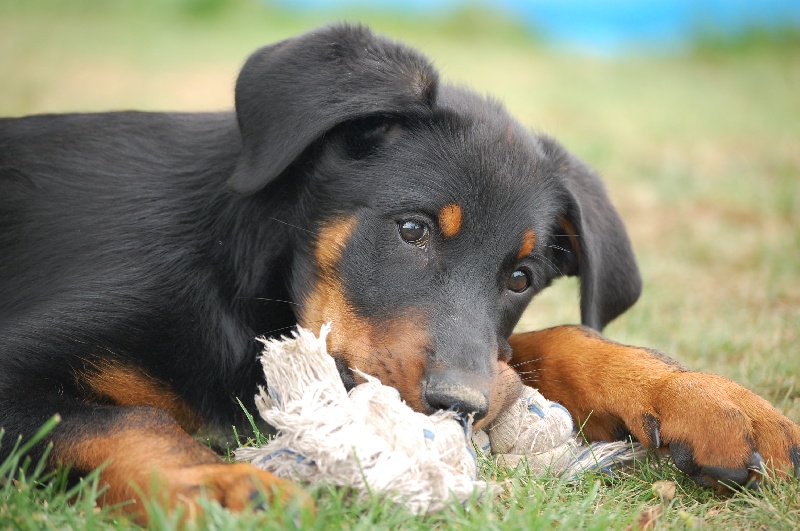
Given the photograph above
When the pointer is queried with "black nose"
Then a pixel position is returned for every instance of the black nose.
(460, 398)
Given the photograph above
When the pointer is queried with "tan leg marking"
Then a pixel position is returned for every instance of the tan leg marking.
(127, 385)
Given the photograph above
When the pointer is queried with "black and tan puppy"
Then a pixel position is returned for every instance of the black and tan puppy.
(141, 253)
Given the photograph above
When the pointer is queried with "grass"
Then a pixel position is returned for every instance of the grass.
(699, 150)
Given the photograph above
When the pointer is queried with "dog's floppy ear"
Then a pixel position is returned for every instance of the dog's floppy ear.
(592, 243)
(290, 93)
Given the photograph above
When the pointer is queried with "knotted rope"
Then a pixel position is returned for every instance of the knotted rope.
(370, 441)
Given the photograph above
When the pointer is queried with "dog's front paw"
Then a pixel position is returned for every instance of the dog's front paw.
(719, 433)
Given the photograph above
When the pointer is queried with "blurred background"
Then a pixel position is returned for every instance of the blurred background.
(689, 108)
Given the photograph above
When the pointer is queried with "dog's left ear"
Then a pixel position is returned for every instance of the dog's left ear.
(592, 242)
(290, 94)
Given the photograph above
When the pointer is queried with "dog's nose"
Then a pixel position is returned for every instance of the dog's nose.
(460, 398)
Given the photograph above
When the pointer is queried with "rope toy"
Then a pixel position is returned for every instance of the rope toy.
(370, 441)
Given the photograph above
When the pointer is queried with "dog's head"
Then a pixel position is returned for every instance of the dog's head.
(427, 217)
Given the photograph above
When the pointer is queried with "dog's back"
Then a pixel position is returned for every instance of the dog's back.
(105, 232)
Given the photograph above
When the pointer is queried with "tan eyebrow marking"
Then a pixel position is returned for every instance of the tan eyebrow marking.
(450, 218)
(528, 241)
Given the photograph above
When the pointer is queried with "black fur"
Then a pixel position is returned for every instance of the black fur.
(169, 241)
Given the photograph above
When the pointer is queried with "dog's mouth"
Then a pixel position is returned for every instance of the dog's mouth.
(345, 372)
(351, 377)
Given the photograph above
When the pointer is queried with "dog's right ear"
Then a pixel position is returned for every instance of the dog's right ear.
(592, 242)
(291, 93)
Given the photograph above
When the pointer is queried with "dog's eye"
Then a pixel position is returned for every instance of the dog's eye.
(519, 281)
(414, 232)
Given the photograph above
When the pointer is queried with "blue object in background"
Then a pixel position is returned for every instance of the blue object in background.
(611, 26)
(608, 26)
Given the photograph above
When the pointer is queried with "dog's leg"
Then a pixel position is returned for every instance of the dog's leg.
(145, 455)
(716, 430)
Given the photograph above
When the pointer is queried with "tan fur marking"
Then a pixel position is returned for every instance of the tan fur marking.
(147, 452)
(131, 386)
(606, 385)
(392, 351)
(327, 301)
(450, 217)
(333, 238)
(528, 241)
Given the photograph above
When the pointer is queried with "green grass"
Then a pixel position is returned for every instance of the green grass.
(31, 498)
(699, 150)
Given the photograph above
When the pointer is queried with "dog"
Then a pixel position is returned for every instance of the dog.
(141, 254)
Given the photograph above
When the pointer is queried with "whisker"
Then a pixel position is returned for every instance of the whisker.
(560, 248)
(515, 365)
(270, 300)
(269, 333)
(529, 372)
(293, 226)
(549, 357)
(532, 380)
(548, 262)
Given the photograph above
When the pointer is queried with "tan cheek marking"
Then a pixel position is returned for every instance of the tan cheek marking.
(392, 351)
(396, 354)
(333, 238)
(528, 241)
(450, 218)
(327, 301)
(130, 386)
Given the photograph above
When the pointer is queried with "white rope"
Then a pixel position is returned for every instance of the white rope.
(372, 442)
